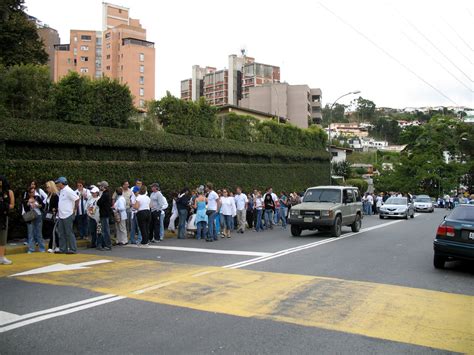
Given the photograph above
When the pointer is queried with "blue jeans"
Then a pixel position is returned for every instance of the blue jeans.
(228, 222)
(183, 216)
(201, 230)
(276, 216)
(104, 238)
(67, 239)
(282, 216)
(258, 225)
(268, 218)
(212, 229)
(134, 230)
(162, 225)
(35, 234)
(217, 231)
(82, 226)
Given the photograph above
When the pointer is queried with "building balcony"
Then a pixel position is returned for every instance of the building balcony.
(62, 47)
(137, 42)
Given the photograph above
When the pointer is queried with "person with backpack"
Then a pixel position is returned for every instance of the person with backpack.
(182, 203)
(7, 202)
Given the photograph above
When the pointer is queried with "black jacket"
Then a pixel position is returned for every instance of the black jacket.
(105, 205)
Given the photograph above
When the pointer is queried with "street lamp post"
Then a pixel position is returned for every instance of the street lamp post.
(329, 131)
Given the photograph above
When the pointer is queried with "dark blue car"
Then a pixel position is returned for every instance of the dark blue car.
(455, 236)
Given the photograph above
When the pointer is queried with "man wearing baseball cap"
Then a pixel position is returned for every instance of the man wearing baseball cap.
(68, 201)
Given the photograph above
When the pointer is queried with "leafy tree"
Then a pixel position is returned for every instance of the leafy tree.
(238, 127)
(386, 129)
(365, 109)
(111, 103)
(337, 114)
(19, 40)
(25, 91)
(73, 99)
(342, 168)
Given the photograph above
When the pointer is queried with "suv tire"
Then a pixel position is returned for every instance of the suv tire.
(295, 231)
(357, 224)
(439, 261)
(337, 226)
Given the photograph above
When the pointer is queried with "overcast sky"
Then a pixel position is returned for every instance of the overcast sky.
(398, 53)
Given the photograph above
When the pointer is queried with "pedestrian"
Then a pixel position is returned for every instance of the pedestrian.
(269, 206)
(121, 225)
(38, 191)
(158, 205)
(227, 210)
(34, 204)
(213, 205)
(250, 213)
(49, 217)
(378, 202)
(134, 230)
(127, 194)
(284, 203)
(7, 203)
(81, 213)
(174, 214)
(202, 219)
(142, 205)
(105, 212)
(259, 211)
(182, 203)
(67, 206)
(241, 204)
(93, 215)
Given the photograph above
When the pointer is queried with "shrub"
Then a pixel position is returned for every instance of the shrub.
(359, 183)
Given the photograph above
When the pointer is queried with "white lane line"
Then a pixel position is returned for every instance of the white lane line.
(156, 287)
(303, 247)
(58, 314)
(54, 309)
(202, 273)
(210, 251)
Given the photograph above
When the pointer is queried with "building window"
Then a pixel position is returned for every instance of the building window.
(142, 103)
(69, 61)
(107, 46)
(75, 38)
(142, 80)
(84, 48)
(107, 35)
(121, 67)
(142, 57)
(86, 38)
(84, 59)
(84, 70)
(142, 68)
(107, 67)
(108, 56)
(142, 91)
(75, 51)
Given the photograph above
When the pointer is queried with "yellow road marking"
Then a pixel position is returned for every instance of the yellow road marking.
(415, 316)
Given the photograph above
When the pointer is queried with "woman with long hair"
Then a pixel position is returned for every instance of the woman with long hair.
(142, 205)
(50, 210)
(227, 210)
(35, 227)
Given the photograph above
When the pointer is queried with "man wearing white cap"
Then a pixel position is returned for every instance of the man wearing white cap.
(68, 201)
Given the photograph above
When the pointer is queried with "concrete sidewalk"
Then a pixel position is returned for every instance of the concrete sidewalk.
(17, 247)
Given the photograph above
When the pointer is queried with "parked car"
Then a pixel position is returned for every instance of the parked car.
(423, 203)
(455, 236)
(397, 207)
(327, 208)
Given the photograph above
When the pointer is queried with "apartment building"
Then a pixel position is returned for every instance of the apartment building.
(120, 51)
(298, 104)
(50, 37)
(228, 86)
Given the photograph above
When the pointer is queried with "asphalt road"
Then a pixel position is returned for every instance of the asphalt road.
(265, 293)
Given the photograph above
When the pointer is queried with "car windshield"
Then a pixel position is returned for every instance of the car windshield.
(423, 199)
(396, 201)
(463, 213)
(322, 195)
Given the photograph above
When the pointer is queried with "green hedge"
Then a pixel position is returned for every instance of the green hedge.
(172, 176)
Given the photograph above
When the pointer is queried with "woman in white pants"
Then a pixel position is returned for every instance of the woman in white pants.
(121, 227)
(174, 215)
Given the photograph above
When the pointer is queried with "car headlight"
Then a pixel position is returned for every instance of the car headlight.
(327, 213)
(294, 212)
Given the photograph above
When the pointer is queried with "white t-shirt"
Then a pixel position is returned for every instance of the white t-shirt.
(67, 200)
(227, 206)
(258, 203)
(121, 207)
(144, 202)
(240, 201)
(212, 201)
(370, 199)
(85, 194)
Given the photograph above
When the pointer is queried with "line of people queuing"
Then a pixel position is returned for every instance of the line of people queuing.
(371, 202)
(137, 213)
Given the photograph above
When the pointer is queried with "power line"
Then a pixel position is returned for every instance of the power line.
(437, 62)
(386, 52)
(435, 46)
(457, 34)
(455, 47)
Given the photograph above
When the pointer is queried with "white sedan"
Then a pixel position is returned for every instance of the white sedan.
(423, 203)
(397, 207)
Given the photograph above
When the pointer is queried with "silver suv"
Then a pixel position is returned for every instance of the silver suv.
(327, 208)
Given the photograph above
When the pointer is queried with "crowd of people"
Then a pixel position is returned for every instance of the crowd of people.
(62, 213)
